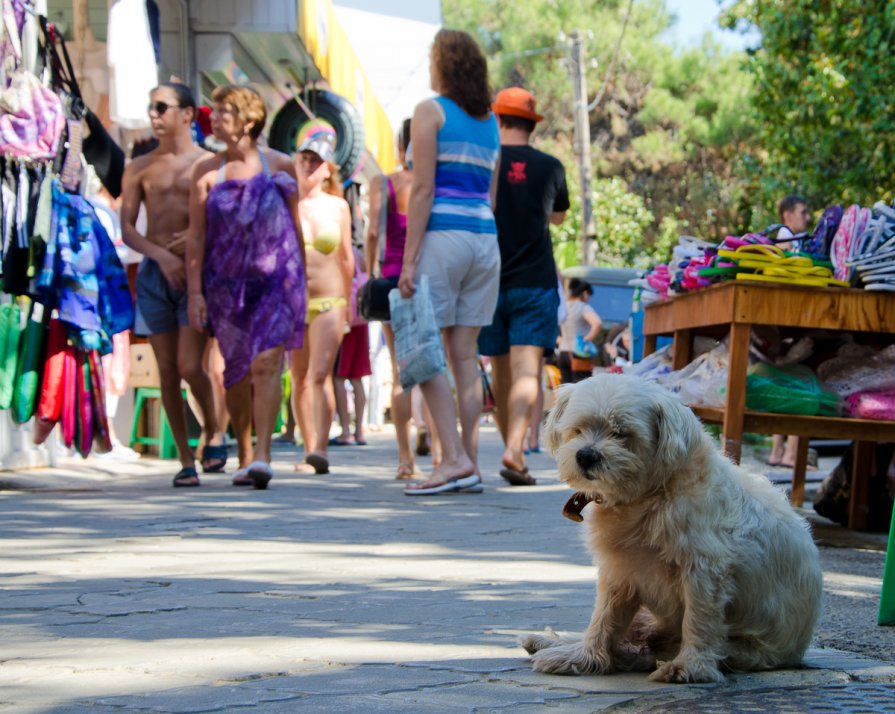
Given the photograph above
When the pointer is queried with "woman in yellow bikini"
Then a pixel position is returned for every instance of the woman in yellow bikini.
(326, 227)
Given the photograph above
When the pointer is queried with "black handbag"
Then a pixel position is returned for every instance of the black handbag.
(99, 148)
(372, 298)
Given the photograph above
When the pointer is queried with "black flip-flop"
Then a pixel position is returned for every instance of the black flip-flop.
(320, 463)
(517, 478)
(183, 478)
(217, 454)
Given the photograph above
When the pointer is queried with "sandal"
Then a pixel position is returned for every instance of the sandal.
(319, 462)
(422, 442)
(187, 477)
(468, 484)
(214, 458)
(260, 474)
(407, 472)
(514, 477)
(242, 478)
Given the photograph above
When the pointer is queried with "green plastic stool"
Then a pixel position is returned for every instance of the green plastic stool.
(167, 447)
(887, 596)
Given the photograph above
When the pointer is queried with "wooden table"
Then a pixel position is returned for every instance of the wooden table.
(735, 307)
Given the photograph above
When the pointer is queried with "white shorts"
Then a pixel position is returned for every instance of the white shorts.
(464, 276)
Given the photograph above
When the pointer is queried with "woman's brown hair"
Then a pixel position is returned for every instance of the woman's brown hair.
(462, 71)
(248, 104)
(333, 184)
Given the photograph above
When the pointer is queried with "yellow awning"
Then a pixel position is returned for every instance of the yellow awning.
(327, 43)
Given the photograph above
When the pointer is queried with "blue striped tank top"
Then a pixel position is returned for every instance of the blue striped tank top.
(468, 150)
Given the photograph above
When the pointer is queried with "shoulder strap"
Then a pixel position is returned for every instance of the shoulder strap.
(383, 217)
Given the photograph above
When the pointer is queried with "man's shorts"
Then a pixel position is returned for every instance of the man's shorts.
(160, 308)
(524, 316)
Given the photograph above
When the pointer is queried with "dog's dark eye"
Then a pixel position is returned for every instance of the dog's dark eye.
(574, 431)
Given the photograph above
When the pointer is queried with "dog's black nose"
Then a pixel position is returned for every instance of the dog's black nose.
(588, 457)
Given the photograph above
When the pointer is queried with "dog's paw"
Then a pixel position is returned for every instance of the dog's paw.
(569, 659)
(683, 671)
(536, 643)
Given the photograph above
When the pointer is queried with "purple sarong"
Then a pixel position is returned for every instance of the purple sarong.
(253, 276)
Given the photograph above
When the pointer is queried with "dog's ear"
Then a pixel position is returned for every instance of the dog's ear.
(678, 432)
(551, 432)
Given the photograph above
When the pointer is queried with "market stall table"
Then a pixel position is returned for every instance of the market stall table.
(735, 307)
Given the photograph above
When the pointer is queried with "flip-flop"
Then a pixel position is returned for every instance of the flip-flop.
(517, 478)
(320, 463)
(216, 453)
(260, 473)
(183, 478)
(242, 478)
(359, 442)
(335, 442)
(468, 484)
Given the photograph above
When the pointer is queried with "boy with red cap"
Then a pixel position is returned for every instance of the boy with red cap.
(531, 194)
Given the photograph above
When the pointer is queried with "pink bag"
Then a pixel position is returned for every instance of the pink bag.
(31, 118)
(69, 397)
(102, 440)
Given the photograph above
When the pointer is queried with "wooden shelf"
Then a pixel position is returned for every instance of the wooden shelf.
(736, 307)
(817, 426)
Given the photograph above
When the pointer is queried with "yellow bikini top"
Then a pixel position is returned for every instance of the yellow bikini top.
(327, 239)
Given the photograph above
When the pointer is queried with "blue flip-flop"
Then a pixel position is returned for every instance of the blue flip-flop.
(468, 484)
(217, 454)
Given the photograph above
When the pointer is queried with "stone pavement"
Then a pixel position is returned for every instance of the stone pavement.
(338, 593)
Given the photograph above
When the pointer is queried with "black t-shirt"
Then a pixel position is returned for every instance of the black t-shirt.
(531, 186)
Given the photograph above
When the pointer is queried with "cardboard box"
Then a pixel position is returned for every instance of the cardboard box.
(144, 369)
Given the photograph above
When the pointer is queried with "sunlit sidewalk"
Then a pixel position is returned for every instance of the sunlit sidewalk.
(323, 593)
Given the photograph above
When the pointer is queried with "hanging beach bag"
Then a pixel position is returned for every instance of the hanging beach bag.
(85, 406)
(69, 416)
(102, 438)
(30, 365)
(10, 330)
(49, 405)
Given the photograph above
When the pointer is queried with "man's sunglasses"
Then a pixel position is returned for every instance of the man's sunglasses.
(161, 107)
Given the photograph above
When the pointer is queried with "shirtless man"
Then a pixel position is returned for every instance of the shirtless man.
(161, 181)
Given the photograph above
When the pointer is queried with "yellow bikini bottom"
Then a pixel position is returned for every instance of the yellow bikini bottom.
(319, 305)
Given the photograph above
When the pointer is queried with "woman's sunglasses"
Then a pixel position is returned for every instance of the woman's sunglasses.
(161, 107)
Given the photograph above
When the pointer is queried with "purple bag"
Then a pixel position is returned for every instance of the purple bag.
(818, 245)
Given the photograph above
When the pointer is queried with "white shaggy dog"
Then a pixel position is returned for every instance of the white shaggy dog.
(702, 566)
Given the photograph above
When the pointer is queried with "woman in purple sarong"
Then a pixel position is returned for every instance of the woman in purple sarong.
(245, 270)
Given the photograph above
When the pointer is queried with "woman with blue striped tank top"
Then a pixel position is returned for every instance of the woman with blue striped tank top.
(452, 239)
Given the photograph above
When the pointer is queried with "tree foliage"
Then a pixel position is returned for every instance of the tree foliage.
(671, 134)
(822, 93)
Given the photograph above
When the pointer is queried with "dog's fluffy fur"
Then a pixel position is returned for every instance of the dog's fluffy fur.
(702, 566)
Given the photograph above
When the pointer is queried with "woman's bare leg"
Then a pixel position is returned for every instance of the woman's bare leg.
(401, 406)
(267, 369)
(462, 351)
(302, 400)
(325, 334)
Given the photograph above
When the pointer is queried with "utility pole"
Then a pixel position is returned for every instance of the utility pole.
(583, 143)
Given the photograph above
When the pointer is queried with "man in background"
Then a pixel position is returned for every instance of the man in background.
(531, 194)
(160, 180)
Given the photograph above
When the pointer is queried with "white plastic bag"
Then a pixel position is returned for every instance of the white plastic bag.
(419, 350)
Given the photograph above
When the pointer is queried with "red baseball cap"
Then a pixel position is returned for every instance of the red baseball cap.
(517, 102)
